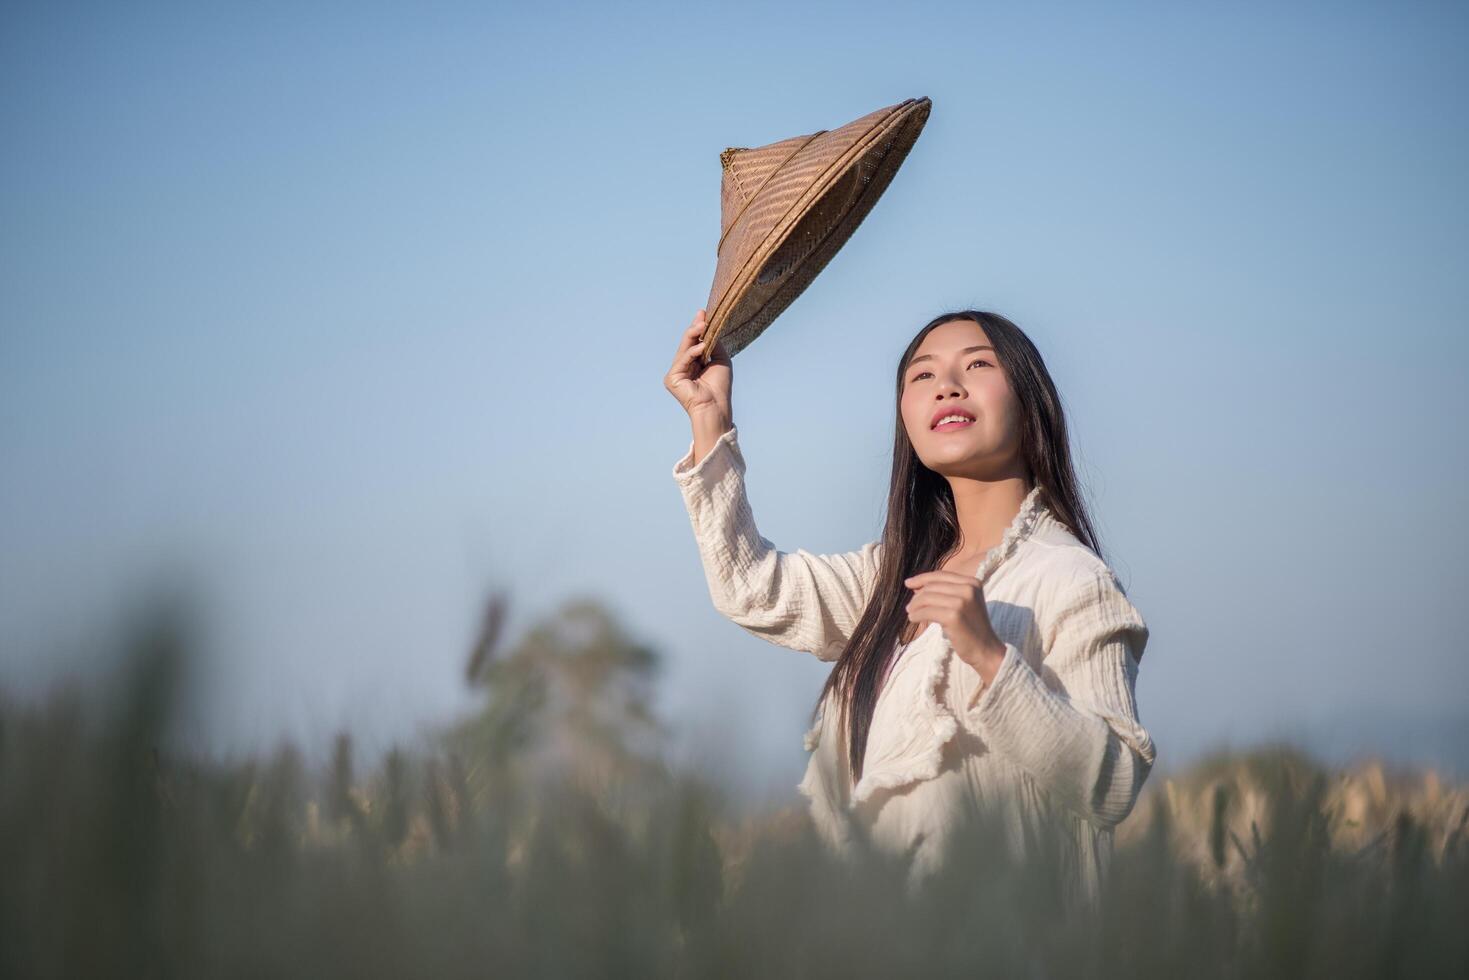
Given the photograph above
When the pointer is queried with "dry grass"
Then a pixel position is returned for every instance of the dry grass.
(544, 838)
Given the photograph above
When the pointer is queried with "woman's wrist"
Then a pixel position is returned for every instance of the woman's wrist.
(987, 660)
(708, 424)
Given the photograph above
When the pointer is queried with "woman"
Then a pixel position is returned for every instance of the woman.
(985, 656)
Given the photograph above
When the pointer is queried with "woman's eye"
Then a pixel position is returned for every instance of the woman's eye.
(921, 374)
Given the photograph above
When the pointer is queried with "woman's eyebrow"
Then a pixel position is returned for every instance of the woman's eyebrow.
(967, 350)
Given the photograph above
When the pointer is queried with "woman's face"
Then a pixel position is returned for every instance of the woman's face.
(955, 371)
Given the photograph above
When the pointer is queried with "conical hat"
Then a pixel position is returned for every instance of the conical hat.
(788, 206)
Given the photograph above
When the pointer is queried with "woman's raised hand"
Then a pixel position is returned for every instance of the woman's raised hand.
(702, 389)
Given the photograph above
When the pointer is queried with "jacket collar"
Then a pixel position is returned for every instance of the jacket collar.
(1032, 515)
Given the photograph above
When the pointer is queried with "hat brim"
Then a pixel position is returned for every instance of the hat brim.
(813, 230)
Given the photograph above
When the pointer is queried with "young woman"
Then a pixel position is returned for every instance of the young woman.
(985, 655)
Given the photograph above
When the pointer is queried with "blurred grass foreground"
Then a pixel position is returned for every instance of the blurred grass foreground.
(545, 836)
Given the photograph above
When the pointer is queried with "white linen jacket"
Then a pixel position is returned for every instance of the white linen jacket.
(1056, 734)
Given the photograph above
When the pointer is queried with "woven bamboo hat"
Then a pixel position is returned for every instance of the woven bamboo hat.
(788, 206)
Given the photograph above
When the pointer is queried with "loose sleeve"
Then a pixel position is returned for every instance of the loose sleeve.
(1076, 732)
(795, 599)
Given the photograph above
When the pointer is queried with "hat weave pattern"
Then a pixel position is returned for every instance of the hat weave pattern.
(786, 208)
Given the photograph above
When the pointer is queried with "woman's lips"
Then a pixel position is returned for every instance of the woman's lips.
(945, 426)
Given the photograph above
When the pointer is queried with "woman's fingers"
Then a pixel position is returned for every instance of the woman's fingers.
(937, 575)
(720, 355)
(692, 354)
(690, 347)
(961, 592)
(690, 336)
(691, 379)
(686, 357)
(696, 328)
(955, 583)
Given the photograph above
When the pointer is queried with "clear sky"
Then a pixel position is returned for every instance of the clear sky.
(349, 313)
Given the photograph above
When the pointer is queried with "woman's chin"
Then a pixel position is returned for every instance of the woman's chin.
(951, 459)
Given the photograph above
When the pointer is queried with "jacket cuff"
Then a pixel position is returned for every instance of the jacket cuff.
(982, 702)
(723, 456)
(1036, 727)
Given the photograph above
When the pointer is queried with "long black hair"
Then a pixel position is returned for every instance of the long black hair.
(922, 527)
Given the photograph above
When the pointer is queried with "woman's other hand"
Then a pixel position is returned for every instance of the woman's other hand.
(956, 602)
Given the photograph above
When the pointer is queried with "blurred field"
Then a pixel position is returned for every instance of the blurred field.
(544, 836)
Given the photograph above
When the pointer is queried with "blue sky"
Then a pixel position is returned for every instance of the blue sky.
(348, 314)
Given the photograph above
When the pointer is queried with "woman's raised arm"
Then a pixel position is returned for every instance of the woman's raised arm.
(795, 599)
(798, 600)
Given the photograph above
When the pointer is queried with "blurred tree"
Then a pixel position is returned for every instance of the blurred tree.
(569, 705)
